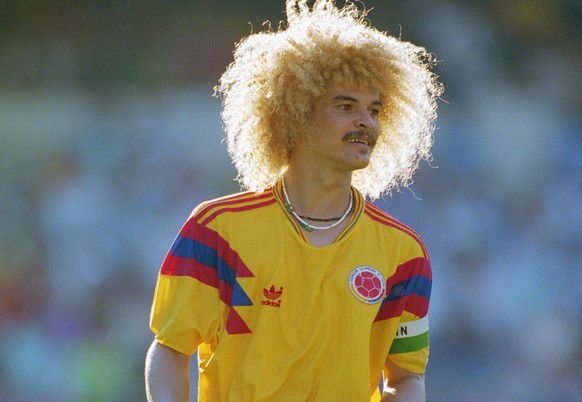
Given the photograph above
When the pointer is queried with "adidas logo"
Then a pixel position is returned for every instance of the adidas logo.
(272, 296)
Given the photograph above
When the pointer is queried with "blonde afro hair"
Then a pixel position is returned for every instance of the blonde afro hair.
(268, 93)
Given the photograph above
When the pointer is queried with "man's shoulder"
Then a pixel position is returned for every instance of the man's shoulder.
(240, 202)
(387, 221)
(384, 218)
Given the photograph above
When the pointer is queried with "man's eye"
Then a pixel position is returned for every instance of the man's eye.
(374, 112)
(344, 107)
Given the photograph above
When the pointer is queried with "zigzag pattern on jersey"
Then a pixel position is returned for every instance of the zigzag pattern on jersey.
(409, 289)
(201, 253)
(410, 286)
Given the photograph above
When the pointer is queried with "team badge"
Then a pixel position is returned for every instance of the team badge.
(367, 284)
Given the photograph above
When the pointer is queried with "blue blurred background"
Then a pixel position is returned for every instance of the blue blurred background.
(109, 136)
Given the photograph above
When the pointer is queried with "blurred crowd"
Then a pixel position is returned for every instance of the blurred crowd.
(109, 136)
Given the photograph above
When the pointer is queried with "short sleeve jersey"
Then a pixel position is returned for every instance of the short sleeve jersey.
(276, 318)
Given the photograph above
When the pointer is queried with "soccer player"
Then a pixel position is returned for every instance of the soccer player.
(299, 288)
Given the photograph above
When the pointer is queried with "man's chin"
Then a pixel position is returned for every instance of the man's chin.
(360, 164)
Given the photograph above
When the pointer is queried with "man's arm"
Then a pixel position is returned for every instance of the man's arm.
(167, 374)
(406, 386)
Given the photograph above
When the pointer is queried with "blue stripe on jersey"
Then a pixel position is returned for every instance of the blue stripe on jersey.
(189, 248)
(239, 297)
(419, 285)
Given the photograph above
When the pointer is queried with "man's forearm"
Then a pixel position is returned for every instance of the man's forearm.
(409, 389)
(167, 375)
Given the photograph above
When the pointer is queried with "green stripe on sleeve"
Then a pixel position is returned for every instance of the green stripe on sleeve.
(411, 344)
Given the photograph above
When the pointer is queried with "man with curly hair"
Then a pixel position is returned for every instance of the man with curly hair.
(299, 288)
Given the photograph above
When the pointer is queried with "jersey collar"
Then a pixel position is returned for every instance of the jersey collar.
(359, 203)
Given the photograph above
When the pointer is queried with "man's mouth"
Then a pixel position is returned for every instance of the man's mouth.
(363, 138)
(358, 141)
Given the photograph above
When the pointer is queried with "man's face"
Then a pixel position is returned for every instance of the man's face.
(344, 128)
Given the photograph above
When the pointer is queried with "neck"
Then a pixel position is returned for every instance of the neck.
(316, 195)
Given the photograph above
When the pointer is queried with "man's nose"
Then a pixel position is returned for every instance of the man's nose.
(364, 119)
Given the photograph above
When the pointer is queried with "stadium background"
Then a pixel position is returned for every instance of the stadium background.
(109, 136)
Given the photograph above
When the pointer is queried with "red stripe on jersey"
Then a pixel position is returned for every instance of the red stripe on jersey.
(240, 198)
(211, 238)
(237, 209)
(229, 199)
(417, 305)
(414, 303)
(179, 266)
(235, 324)
(416, 266)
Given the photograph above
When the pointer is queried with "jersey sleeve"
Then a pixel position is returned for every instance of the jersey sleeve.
(186, 309)
(410, 347)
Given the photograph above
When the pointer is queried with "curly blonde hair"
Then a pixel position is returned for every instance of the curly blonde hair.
(269, 89)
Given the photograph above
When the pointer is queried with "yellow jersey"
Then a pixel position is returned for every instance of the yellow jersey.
(275, 318)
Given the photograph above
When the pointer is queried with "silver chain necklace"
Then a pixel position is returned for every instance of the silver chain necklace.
(306, 225)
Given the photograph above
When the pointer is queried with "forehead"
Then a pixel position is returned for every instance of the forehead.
(340, 92)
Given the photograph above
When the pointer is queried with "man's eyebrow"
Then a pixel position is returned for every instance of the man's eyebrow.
(346, 98)
(352, 99)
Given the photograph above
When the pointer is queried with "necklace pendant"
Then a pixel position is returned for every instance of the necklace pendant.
(288, 207)
(305, 226)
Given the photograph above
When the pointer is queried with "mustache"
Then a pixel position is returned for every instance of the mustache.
(365, 135)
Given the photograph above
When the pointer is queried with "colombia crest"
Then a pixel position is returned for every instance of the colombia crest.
(367, 284)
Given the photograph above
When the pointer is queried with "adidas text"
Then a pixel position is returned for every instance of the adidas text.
(271, 303)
